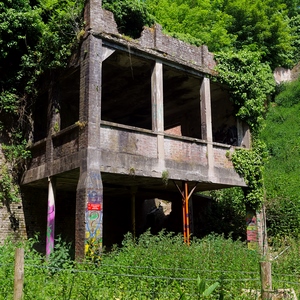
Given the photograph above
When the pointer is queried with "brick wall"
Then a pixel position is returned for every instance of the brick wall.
(12, 222)
(220, 158)
(124, 141)
(183, 151)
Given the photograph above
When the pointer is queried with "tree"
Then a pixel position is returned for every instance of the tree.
(130, 15)
(262, 26)
(198, 22)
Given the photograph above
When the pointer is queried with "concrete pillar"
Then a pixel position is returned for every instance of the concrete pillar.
(158, 106)
(53, 123)
(89, 195)
(206, 120)
(50, 235)
(53, 126)
(252, 232)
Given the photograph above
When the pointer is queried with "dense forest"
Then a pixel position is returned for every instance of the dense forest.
(249, 39)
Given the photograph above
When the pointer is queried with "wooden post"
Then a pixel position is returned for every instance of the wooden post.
(19, 274)
(266, 280)
(133, 212)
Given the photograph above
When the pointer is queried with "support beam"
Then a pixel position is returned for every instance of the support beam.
(53, 123)
(185, 208)
(252, 233)
(206, 121)
(133, 211)
(50, 216)
(89, 195)
(158, 106)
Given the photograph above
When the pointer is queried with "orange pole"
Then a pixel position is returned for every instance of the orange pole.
(187, 222)
(184, 218)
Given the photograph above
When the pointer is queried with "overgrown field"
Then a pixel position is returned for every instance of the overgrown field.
(155, 267)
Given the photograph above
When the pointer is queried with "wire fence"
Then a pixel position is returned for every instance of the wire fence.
(73, 280)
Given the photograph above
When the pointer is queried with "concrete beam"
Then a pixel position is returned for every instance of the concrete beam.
(206, 121)
(157, 99)
(89, 195)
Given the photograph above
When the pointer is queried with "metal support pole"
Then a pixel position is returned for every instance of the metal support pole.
(185, 208)
(184, 215)
(187, 220)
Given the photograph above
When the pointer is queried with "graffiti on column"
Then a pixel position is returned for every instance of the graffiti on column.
(93, 215)
(50, 219)
(251, 230)
(50, 228)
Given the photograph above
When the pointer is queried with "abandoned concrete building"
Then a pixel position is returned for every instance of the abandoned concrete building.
(127, 122)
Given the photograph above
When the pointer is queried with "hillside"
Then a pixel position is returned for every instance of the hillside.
(282, 172)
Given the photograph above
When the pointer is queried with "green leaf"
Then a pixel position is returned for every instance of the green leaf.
(210, 289)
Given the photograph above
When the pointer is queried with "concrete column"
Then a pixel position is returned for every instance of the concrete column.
(53, 123)
(252, 230)
(158, 106)
(50, 216)
(89, 196)
(206, 120)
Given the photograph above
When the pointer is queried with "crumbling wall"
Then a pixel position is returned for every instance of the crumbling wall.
(154, 38)
(101, 22)
(12, 222)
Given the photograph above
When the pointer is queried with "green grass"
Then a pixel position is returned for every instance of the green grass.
(155, 267)
(282, 172)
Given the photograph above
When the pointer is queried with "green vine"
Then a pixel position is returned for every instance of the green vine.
(14, 156)
(250, 82)
(37, 38)
(9, 191)
(249, 163)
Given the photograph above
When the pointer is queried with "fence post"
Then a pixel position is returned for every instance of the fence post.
(19, 274)
(266, 280)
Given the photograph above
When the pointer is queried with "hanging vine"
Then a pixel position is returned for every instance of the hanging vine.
(250, 82)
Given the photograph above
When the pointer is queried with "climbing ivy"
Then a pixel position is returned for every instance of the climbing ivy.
(249, 163)
(36, 38)
(250, 82)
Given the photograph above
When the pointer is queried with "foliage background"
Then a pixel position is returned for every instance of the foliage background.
(150, 268)
(249, 39)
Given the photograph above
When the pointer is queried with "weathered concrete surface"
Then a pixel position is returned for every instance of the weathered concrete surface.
(126, 150)
(127, 95)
